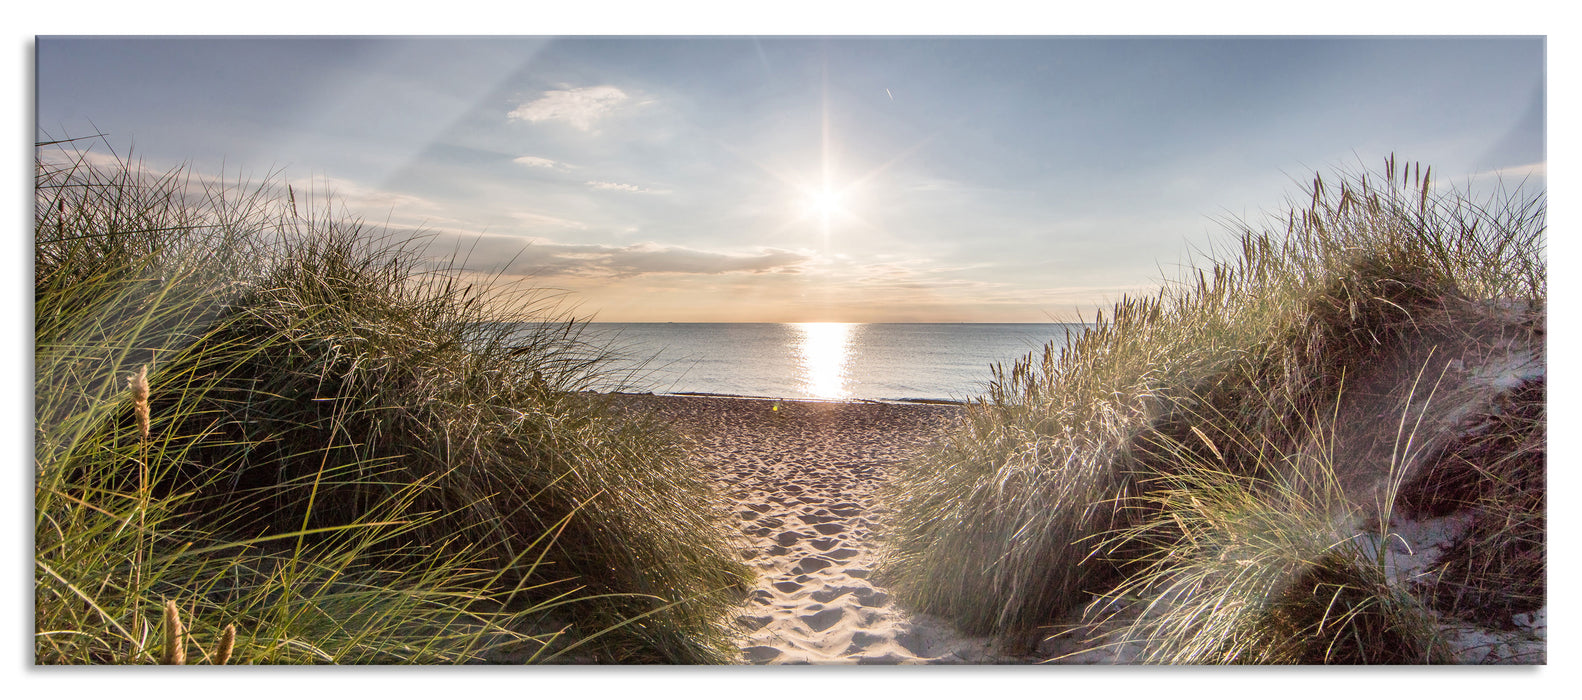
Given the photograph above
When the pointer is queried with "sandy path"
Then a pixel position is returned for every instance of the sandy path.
(804, 480)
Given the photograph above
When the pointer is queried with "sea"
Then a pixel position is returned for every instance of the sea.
(828, 361)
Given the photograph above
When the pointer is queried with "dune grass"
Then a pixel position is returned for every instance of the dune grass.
(288, 423)
(1195, 468)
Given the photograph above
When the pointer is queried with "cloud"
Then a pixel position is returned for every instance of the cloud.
(614, 186)
(623, 187)
(542, 257)
(1517, 173)
(648, 258)
(65, 156)
(358, 197)
(579, 107)
(537, 162)
(544, 220)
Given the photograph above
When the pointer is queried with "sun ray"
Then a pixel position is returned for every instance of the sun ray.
(829, 200)
(826, 159)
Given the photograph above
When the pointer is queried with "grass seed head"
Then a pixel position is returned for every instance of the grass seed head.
(138, 384)
(222, 653)
(175, 637)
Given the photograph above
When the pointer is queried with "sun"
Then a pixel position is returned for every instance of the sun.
(823, 208)
(822, 203)
(829, 210)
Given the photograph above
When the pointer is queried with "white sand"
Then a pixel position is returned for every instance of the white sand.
(804, 481)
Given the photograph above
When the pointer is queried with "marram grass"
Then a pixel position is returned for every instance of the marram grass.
(315, 445)
(1123, 468)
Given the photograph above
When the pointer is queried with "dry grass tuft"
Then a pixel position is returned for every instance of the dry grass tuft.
(1270, 404)
(348, 453)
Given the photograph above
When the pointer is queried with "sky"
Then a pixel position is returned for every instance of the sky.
(783, 179)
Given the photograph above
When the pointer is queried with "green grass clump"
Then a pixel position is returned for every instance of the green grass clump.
(1259, 412)
(282, 421)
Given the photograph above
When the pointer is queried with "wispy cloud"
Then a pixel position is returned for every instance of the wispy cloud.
(537, 220)
(1533, 177)
(317, 194)
(537, 162)
(358, 197)
(65, 157)
(579, 107)
(543, 257)
(623, 187)
(646, 258)
(1517, 173)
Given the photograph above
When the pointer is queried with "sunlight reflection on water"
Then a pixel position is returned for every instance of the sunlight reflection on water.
(825, 355)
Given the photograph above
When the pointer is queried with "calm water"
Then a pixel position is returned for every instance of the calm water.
(826, 360)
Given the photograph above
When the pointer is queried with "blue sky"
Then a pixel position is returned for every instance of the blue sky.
(809, 179)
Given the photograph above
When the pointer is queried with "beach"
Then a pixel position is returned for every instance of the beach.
(802, 478)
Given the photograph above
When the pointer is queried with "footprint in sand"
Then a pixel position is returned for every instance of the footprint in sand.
(823, 619)
(753, 622)
(863, 640)
(760, 654)
(829, 594)
(788, 538)
(811, 564)
(870, 598)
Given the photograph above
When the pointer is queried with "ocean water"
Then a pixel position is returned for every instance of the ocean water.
(839, 361)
